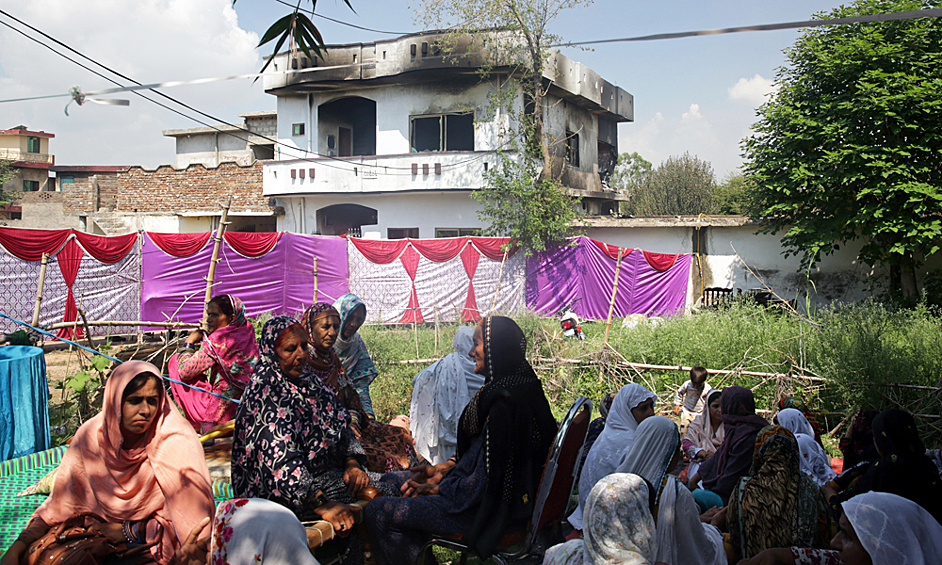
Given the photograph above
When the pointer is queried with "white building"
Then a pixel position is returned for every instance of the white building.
(388, 139)
(210, 146)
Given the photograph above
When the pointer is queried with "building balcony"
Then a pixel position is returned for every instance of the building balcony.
(17, 155)
(411, 172)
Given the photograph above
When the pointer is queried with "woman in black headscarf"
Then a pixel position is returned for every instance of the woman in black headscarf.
(489, 489)
(902, 468)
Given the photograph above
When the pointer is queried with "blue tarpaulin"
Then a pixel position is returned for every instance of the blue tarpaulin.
(24, 402)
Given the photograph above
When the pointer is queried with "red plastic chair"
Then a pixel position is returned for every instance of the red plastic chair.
(552, 498)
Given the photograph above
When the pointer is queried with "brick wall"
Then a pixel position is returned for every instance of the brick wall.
(172, 190)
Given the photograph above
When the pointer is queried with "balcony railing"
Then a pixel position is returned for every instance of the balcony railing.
(17, 155)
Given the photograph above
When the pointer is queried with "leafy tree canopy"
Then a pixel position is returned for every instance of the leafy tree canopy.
(732, 197)
(630, 170)
(679, 186)
(7, 172)
(850, 147)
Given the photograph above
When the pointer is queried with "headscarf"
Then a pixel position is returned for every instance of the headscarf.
(619, 529)
(703, 432)
(612, 443)
(798, 404)
(894, 530)
(681, 537)
(512, 413)
(814, 460)
(721, 472)
(255, 530)
(903, 467)
(777, 505)
(233, 346)
(323, 360)
(353, 353)
(439, 395)
(166, 478)
(858, 447)
(795, 422)
(285, 428)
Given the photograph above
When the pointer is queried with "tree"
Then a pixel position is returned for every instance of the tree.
(733, 196)
(513, 36)
(7, 172)
(849, 147)
(630, 170)
(679, 186)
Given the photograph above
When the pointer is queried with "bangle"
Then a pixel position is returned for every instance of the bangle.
(128, 531)
(189, 346)
(319, 500)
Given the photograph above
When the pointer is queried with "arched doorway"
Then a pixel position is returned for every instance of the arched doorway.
(347, 127)
(340, 219)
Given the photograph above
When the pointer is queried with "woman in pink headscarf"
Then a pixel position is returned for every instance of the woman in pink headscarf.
(139, 465)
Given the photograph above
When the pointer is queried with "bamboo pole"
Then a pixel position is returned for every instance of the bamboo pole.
(678, 368)
(611, 304)
(315, 278)
(500, 275)
(39, 288)
(121, 323)
(212, 264)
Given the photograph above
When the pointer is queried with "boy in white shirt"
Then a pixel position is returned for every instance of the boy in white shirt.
(691, 396)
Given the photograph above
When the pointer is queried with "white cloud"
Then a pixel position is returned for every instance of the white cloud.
(692, 114)
(752, 91)
(147, 40)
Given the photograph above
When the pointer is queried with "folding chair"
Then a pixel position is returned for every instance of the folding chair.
(552, 497)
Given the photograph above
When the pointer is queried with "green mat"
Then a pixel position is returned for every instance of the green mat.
(17, 474)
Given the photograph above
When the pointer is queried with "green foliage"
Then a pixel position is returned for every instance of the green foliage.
(732, 197)
(79, 395)
(679, 186)
(7, 172)
(849, 146)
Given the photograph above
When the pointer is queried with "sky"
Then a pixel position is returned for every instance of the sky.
(696, 95)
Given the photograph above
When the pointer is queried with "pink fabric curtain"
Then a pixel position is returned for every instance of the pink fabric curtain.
(70, 259)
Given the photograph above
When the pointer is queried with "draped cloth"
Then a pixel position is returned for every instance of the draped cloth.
(681, 537)
(439, 395)
(167, 478)
(233, 352)
(703, 434)
(248, 531)
(612, 443)
(894, 530)
(619, 529)
(814, 460)
(731, 462)
(512, 413)
(288, 431)
(353, 353)
(777, 505)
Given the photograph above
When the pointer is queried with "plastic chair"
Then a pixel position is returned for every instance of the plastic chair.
(552, 497)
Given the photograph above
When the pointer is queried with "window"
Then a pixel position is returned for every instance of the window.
(67, 179)
(32, 144)
(402, 233)
(457, 232)
(30, 185)
(297, 129)
(443, 132)
(572, 149)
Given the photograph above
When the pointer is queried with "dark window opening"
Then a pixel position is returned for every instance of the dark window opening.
(443, 132)
(572, 149)
(16, 215)
(457, 232)
(32, 144)
(347, 127)
(30, 185)
(402, 233)
(262, 152)
(341, 219)
(607, 160)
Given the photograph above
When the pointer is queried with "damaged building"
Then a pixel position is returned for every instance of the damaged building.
(389, 139)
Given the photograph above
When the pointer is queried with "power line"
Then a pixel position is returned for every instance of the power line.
(342, 22)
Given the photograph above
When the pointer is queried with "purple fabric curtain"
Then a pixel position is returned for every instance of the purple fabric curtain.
(560, 274)
(279, 282)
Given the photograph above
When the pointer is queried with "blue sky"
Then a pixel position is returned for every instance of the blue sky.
(694, 95)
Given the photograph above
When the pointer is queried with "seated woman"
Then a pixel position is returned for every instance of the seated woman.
(229, 350)
(814, 460)
(352, 351)
(705, 433)
(876, 528)
(139, 465)
(618, 526)
(681, 536)
(386, 448)
(903, 467)
(731, 462)
(439, 395)
(504, 438)
(777, 505)
(255, 531)
(631, 406)
(857, 444)
(292, 442)
(795, 403)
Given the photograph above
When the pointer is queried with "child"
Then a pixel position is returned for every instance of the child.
(691, 396)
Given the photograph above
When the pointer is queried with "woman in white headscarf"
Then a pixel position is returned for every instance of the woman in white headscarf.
(631, 406)
(876, 528)
(814, 460)
(439, 395)
(619, 528)
(681, 536)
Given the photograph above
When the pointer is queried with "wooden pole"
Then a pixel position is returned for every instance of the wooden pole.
(212, 264)
(611, 304)
(500, 275)
(39, 289)
(315, 278)
(121, 323)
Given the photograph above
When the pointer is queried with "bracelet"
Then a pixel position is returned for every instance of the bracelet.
(320, 500)
(128, 531)
(189, 346)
